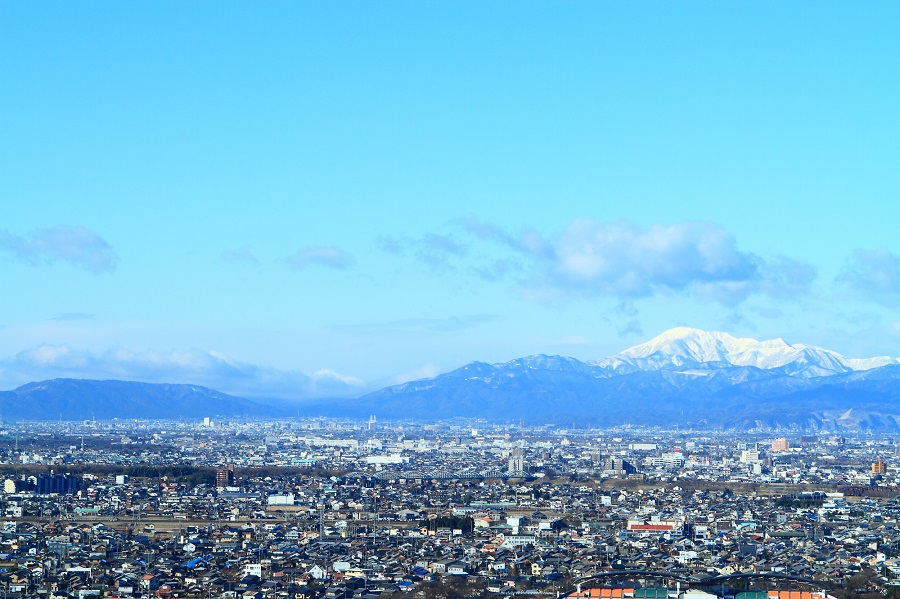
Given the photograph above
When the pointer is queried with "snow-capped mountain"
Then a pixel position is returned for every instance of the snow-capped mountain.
(684, 376)
(683, 348)
(870, 363)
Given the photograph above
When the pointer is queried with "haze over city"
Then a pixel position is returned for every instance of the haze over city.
(318, 199)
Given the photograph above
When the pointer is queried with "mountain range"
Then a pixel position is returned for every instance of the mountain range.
(684, 377)
(80, 399)
(682, 346)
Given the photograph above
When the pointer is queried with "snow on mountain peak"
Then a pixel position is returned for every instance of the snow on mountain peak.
(683, 346)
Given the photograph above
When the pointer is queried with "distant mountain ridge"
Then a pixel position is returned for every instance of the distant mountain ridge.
(83, 399)
(687, 377)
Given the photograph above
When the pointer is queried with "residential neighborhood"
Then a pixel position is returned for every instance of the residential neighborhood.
(340, 509)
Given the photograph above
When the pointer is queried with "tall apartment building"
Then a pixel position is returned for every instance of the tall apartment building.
(225, 476)
(516, 461)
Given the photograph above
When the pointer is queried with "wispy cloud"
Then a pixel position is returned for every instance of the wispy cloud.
(873, 275)
(73, 316)
(242, 255)
(327, 256)
(574, 340)
(628, 322)
(76, 245)
(209, 368)
(632, 328)
(769, 312)
(437, 251)
(449, 324)
(527, 241)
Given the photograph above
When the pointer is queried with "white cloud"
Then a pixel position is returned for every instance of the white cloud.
(76, 245)
(426, 371)
(55, 357)
(619, 260)
(591, 258)
(624, 261)
(327, 376)
(208, 368)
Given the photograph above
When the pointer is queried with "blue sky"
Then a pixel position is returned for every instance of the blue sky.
(305, 199)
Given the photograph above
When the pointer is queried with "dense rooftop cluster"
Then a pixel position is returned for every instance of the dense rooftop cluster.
(338, 509)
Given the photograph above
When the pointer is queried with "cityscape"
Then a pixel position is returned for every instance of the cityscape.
(319, 507)
(469, 299)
